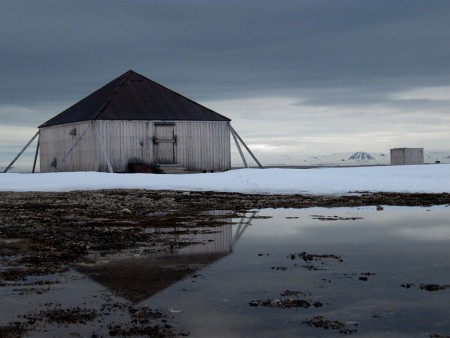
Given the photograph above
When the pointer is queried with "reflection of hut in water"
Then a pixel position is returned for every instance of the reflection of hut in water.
(206, 240)
(138, 278)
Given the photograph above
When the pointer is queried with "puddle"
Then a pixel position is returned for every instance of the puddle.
(274, 272)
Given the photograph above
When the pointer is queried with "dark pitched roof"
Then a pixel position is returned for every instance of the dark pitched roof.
(134, 97)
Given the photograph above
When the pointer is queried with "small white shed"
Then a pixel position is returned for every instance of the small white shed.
(407, 156)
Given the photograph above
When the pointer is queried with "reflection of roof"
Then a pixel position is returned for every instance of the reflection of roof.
(132, 96)
(138, 278)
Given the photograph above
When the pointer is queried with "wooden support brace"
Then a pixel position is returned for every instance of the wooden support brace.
(247, 148)
(21, 152)
(108, 162)
(233, 133)
(36, 154)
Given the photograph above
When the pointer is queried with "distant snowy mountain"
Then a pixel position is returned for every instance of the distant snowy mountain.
(361, 156)
(350, 159)
(357, 158)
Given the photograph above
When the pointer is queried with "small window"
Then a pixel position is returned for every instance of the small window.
(73, 132)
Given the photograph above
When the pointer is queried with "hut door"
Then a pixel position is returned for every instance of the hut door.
(164, 142)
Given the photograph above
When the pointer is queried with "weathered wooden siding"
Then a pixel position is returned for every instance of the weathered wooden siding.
(203, 145)
(199, 145)
(125, 142)
(407, 156)
(56, 141)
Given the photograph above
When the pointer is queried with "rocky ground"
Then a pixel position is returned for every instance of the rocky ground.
(44, 233)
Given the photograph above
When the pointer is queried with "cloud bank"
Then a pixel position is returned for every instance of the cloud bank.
(296, 76)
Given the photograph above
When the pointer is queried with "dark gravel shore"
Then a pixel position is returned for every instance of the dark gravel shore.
(56, 229)
(42, 233)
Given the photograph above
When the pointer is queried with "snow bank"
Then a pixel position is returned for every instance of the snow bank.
(419, 178)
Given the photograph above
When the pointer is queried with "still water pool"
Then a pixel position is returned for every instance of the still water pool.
(377, 287)
(279, 273)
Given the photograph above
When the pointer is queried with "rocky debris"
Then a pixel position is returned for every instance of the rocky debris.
(91, 203)
(365, 276)
(288, 293)
(433, 287)
(312, 267)
(155, 331)
(427, 287)
(295, 299)
(13, 330)
(144, 321)
(309, 258)
(75, 315)
(313, 257)
(407, 285)
(126, 211)
(334, 218)
(343, 327)
(285, 303)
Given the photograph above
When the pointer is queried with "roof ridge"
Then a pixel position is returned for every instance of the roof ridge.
(126, 76)
(180, 95)
(132, 96)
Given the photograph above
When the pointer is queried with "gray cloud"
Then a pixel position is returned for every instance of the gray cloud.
(335, 54)
(248, 45)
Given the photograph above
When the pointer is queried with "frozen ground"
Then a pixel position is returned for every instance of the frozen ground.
(421, 178)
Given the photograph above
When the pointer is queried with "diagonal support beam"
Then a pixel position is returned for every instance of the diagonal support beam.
(74, 146)
(37, 152)
(245, 146)
(233, 133)
(21, 152)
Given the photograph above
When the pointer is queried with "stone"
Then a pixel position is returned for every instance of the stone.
(126, 211)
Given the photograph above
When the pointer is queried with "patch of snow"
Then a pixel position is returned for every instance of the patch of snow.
(433, 178)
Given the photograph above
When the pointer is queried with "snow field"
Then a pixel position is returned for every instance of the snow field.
(317, 181)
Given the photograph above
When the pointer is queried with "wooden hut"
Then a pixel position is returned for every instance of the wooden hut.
(134, 120)
(407, 156)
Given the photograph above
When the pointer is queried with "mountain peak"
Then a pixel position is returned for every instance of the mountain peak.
(361, 156)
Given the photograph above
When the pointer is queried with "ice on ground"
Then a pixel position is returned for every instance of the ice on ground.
(418, 178)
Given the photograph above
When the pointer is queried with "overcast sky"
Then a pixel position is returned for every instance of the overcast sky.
(297, 77)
